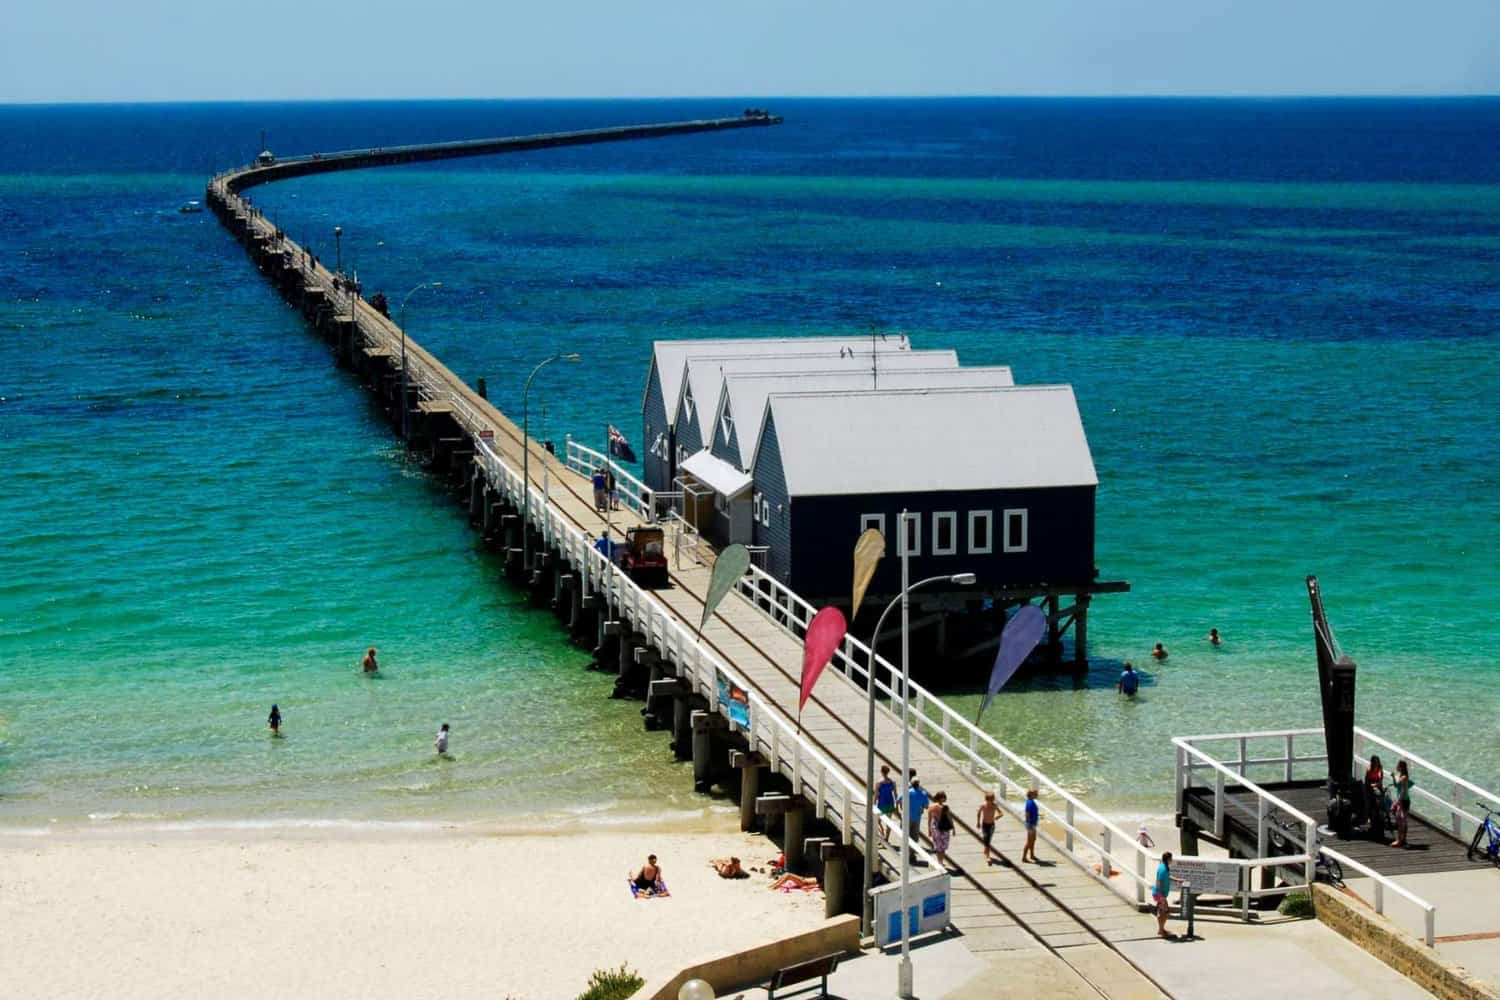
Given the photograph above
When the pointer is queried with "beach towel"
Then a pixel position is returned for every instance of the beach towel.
(658, 891)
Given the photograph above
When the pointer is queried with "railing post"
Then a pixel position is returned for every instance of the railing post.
(1105, 868)
(1430, 928)
(1289, 748)
(1068, 833)
(1243, 741)
(1379, 896)
(1140, 875)
(1218, 803)
(1260, 826)
(1458, 821)
(1182, 778)
(1247, 880)
(1310, 848)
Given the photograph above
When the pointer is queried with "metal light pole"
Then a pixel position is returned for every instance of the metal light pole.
(867, 912)
(904, 974)
(401, 322)
(526, 458)
(338, 247)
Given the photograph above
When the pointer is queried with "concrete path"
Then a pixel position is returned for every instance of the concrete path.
(1468, 916)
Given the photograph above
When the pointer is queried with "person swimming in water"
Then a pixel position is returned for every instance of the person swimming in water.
(1129, 682)
(442, 741)
(1213, 637)
(274, 721)
(369, 665)
(1159, 653)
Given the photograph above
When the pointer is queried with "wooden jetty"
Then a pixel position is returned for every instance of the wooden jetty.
(729, 698)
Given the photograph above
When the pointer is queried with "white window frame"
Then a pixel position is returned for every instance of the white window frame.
(988, 517)
(868, 521)
(688, 406)
(765, 512)
(1005, 517)
(949, 517)
(726, 425)
(911, 532)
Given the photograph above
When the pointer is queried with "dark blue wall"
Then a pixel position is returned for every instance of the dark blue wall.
(1060, 543)
(770, 483)
(657, 471)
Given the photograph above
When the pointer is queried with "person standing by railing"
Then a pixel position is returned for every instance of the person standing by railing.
(1160, 890)
(1402, 783)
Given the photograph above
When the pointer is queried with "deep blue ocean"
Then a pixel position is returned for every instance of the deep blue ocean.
(1280, 319)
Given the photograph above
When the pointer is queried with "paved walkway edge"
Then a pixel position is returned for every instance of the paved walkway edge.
(1396, 948)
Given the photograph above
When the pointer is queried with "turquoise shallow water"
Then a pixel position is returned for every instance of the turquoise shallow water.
(1285, 364)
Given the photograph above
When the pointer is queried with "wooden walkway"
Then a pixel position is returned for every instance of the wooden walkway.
(1057, 906)
(1431, 849)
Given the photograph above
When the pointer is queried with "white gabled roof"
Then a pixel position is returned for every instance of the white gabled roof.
(670, 355)
(746, 394)
(715, 473)
(923, 441)
(704, 377)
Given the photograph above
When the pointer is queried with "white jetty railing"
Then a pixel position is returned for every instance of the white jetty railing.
(583, 460)
(1088, 837)
(1453, 813)
(1273, 817)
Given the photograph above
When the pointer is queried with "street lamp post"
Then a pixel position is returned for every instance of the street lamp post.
(526, 458)
(338, 247)
(867, 912)
(401, 322)
(904, 974)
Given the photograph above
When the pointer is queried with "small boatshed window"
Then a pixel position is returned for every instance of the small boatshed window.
(1015, 531)
(868, 521)
(687, 402)
(911, 535)
(944, 533)
(980, 540)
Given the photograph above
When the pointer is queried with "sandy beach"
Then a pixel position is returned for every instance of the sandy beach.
(369, 915)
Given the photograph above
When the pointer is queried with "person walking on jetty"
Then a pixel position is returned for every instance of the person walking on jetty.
(1129, 682)
(989, 812)
(1033, 820)
(369, 665)
(885, 800)
(917, 801)
(611, 490)
(442, 740)
(601, 488)
(1160, 890)
(274, 721)
(1402, 785)
(940, 827)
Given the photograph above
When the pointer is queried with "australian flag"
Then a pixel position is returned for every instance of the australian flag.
(619, 446)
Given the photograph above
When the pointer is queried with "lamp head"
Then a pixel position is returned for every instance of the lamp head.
(435, 284)
(962, 579)
(570, 357)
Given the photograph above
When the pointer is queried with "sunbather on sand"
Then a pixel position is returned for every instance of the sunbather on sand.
(728, 867)
(788, 880)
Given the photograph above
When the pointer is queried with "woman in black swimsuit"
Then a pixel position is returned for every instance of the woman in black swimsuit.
(274, 721)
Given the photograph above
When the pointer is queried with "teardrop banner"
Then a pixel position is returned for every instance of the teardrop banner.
(1020, 637)
(728, 569)
(867, 555)
(824, 633)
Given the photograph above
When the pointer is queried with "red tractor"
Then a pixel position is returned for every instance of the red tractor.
(645, 557)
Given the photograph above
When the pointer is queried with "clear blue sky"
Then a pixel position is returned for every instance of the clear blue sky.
(156, 50)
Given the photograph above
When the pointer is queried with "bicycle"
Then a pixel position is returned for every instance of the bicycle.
(1489, 830)
(1285, 834)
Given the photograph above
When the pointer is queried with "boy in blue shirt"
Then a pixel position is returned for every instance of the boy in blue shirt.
(1033, 817)
(885, 800)
(1160, 890)
(917, 801)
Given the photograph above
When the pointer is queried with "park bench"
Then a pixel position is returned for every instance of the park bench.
(802, 972)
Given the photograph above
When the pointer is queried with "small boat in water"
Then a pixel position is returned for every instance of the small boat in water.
(189, 207)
